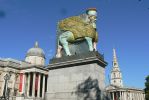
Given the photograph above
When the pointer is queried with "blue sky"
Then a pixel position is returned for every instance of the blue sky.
(122, 24)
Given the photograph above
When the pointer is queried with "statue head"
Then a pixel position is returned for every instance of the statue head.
(92, 14)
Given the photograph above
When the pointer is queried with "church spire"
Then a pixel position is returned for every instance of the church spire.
(116, 75)
(115, 62)
(114, 55)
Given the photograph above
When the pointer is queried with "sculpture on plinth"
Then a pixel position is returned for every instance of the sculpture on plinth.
(77, 28)
(76, 73)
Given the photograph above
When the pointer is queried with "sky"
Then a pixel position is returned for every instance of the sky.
(121, 24)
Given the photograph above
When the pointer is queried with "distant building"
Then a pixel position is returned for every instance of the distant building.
(116, 90)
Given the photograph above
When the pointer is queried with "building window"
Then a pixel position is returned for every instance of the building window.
(114, 75)
(114, 64)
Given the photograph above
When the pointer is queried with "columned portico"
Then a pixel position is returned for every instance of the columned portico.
(34, 86)
(125, 94)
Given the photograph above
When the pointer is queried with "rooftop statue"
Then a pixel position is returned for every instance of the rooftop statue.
(75, 28)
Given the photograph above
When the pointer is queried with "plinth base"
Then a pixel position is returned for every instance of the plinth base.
(77, 78)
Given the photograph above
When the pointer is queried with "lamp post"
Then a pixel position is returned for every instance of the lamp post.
(6, 89)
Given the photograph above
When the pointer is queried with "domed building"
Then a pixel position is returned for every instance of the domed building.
(35, 55)
(27, 79)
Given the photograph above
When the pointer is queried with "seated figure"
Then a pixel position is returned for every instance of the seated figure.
(77, 28)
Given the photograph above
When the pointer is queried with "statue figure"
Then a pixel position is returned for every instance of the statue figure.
(78, 28)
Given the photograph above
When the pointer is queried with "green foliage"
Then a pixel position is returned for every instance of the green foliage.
(147, 88)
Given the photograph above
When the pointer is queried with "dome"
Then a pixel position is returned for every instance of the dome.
(35, 51)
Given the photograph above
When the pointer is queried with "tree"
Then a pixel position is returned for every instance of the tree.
(147, 88)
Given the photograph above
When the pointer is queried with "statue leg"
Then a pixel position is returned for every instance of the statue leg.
(90, 44)
(64, 41)
(95, 46)
(59, 49)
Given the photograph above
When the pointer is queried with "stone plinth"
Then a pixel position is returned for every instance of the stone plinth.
(78, 77)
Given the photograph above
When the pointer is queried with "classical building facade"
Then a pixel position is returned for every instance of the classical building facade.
(28, 79)
(116, 90)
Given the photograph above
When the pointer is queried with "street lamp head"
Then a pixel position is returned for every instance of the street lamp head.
(10, 73)
(7, 76)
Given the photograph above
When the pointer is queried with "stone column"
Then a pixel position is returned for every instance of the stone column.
(139, 96)
(38, 91)
(130, 95)
(33, 85)
(43, 86)
(133, 95)
(28, 84)
(113, 96)
(26, 80)
(24, 83)
(125, 96)
(143, 96)
(120, 95)
(13, 83)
